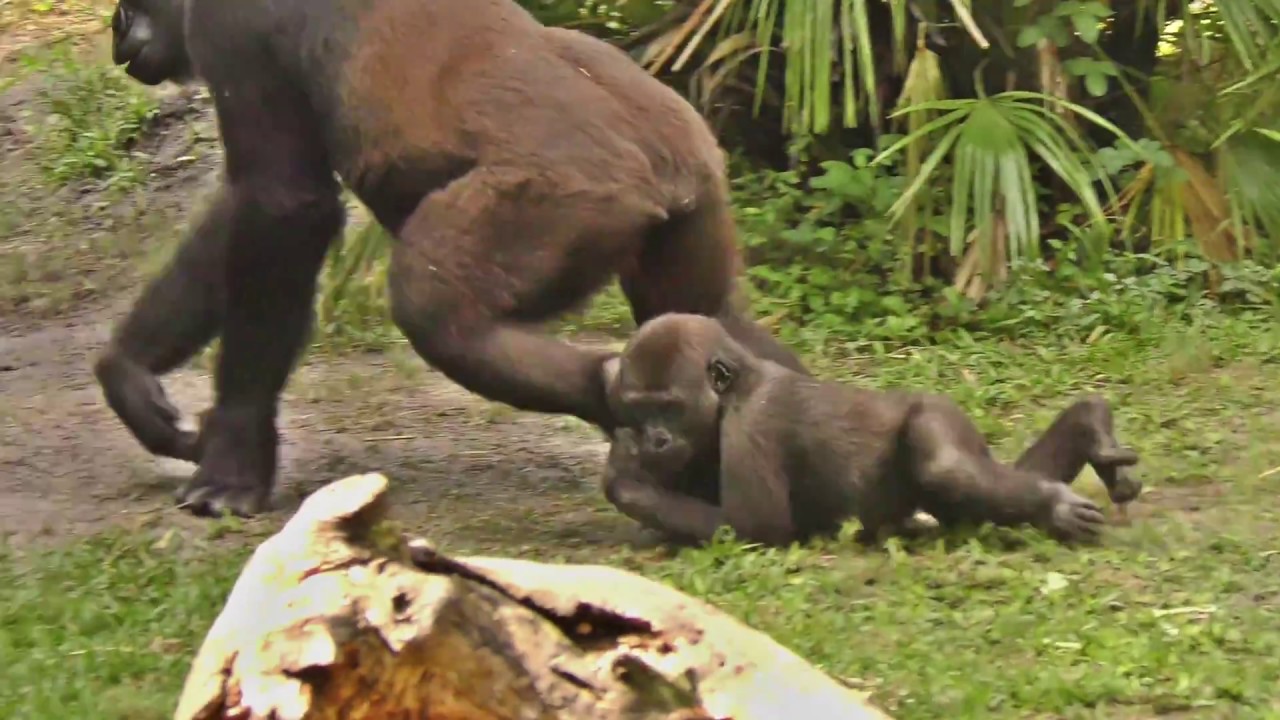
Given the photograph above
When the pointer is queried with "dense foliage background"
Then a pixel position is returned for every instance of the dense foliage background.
(906, 168)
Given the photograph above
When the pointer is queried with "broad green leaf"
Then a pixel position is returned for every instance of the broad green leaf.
(1029, 35)
(1096, 84)
(1086, 27)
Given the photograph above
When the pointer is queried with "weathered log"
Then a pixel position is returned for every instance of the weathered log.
(338, 616)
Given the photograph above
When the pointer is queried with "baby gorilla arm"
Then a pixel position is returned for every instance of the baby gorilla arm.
(753, 492)
(638, 494)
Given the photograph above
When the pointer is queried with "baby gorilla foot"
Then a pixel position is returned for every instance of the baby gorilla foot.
(237, 464)
(1110, 460)
(1113, 466)
(139, 400)
(1073, 517)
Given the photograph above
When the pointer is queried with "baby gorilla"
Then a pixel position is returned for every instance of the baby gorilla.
(713, 435)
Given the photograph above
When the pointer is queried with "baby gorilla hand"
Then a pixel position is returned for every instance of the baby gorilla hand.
(1072, 516)
(238, 448)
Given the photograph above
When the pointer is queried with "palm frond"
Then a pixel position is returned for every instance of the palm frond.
(992, 140)
(818, 40)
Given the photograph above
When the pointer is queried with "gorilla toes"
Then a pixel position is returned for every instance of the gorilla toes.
(1114, 469)
(237, 463)
(1117, 456)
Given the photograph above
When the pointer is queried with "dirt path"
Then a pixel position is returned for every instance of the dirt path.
(466, 471)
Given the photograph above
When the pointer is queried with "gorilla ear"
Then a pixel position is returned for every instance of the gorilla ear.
(721, 375)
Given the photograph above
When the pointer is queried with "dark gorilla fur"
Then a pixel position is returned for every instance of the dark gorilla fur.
(714, 435)
(519, 167)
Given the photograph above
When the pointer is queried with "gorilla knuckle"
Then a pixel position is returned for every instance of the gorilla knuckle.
(105, 364)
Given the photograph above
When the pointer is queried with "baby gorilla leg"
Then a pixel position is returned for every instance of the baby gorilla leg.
(1084, 433)
(959, 482)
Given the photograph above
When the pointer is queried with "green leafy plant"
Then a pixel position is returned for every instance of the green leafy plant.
(96, 115)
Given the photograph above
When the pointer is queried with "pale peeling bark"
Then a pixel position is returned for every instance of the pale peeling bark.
(337, 617)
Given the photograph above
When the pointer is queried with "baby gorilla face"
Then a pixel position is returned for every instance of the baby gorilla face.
(666, 458)
(664, 427)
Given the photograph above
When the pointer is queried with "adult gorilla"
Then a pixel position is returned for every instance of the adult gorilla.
(520, 168)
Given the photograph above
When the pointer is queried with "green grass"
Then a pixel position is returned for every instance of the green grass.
(1177, 613)
(105, 630)
(78, 219)
(95, 116)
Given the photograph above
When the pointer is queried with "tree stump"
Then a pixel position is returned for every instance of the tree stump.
(339, 616)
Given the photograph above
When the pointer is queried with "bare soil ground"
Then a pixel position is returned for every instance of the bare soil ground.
(472, 472)
(477, 474)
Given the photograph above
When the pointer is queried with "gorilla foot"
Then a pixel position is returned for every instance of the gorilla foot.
(237, 466)
(1114, 468)
(207, 498)
(140, 401)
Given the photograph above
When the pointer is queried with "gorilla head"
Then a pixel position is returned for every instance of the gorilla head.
(147, 38)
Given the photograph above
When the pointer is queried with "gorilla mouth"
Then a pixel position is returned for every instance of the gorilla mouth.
(142, 72)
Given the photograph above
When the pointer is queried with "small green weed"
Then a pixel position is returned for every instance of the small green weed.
(95, 114)
(352, 310)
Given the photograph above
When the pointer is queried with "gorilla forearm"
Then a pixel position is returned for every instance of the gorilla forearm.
(649, 499)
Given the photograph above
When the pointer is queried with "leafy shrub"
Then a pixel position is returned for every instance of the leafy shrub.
(825, 267)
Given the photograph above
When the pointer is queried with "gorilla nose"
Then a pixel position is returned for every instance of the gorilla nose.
(659, 440)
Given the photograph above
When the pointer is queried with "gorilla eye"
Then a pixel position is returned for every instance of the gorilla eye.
(720, 375)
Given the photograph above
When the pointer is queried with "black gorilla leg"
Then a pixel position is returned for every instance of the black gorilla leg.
(271, 281)
(283, 212)
(689, 264)
(177, 315)
(1084, 433)
(958, 481)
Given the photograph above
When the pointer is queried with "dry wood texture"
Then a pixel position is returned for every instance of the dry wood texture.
(338, 616)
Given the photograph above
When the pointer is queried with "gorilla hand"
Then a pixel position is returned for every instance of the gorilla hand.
(140, 401)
